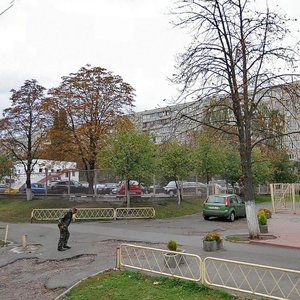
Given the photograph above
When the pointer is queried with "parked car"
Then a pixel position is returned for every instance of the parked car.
(62, 187)
(188, 187)
(158, 189)
(36, 188)
(107, 188)
(3, 187)
(135, 189)
(227, 206)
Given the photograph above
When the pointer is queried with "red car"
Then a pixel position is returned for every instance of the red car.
(135, 189)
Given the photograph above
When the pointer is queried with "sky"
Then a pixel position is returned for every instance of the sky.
(48, 39)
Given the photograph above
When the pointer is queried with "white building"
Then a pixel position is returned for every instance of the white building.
(45, 170)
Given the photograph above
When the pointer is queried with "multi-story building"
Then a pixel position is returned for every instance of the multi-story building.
(165, 123)
(170, 122)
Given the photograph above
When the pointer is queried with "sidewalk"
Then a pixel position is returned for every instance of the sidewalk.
(286, 228)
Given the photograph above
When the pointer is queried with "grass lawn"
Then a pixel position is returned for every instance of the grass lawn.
(19, 210)
(123, 285)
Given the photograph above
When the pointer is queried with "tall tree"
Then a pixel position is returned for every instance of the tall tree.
(60, 141)
(207, 156)
(236, 57)
(23, 127)
(94, 99)
(131, 155)
(175, 163)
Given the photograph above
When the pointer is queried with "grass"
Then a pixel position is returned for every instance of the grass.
(19, 210)
(2, 243)
(123, 285)
(263, 198)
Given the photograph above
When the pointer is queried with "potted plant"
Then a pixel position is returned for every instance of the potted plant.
(171, 259)
(266, 211)
(212, 241)
(262, 221)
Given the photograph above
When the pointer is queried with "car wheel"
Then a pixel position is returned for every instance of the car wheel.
(232, 217)
(206, 218)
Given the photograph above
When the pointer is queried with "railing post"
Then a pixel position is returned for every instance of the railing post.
(118, 258)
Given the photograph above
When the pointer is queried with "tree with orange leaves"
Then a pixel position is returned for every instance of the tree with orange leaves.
(94, 100)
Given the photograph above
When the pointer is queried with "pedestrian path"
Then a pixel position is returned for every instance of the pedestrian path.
(286, 228)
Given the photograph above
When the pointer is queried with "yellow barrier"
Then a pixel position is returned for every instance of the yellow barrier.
(95, 213)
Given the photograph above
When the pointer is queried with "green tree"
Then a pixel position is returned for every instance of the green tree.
(6, 166)
(231, 166)
(175, 163)
(207, 156)
(23, 127)
(131, 155)
(94, 100)
(283, 168)
(236, 58)
(262, 167)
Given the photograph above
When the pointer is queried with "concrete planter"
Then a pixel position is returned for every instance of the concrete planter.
(263, 228)
(210, 246)
(171, 260)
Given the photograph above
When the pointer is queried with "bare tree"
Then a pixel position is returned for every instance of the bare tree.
(24, 126)
(237, 61)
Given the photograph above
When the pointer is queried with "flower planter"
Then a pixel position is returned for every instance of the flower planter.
(263, 228)
(210, 246)
(171, 260)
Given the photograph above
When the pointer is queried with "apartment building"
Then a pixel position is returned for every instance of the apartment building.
(170, 122)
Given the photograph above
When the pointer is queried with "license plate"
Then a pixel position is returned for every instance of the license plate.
(213, 207)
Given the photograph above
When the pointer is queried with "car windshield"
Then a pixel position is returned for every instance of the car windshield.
(215, 199)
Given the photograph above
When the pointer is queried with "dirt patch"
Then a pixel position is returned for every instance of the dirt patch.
(27, 278)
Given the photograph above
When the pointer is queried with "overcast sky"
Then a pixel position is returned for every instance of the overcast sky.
(48, 39)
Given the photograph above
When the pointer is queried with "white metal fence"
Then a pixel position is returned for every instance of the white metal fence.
(260, 280)
(285, 196)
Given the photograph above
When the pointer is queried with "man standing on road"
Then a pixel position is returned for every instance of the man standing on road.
(63, 225)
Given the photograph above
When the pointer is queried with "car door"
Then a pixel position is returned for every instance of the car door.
(238, 206)
(242, 208)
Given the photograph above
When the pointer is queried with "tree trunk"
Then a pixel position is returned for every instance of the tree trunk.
(28, 185)
(252, 221)
(127, 194)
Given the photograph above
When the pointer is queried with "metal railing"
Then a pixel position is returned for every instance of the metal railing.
(135, 212)
(164, 262)
(95, 213)
(260, 280)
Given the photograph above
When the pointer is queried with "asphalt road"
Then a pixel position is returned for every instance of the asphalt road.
(96, 244)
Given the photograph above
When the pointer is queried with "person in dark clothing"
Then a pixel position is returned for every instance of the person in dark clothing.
(63, 224)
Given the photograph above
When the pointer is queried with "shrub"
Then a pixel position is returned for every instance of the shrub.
(262, 219)
(172, 245)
